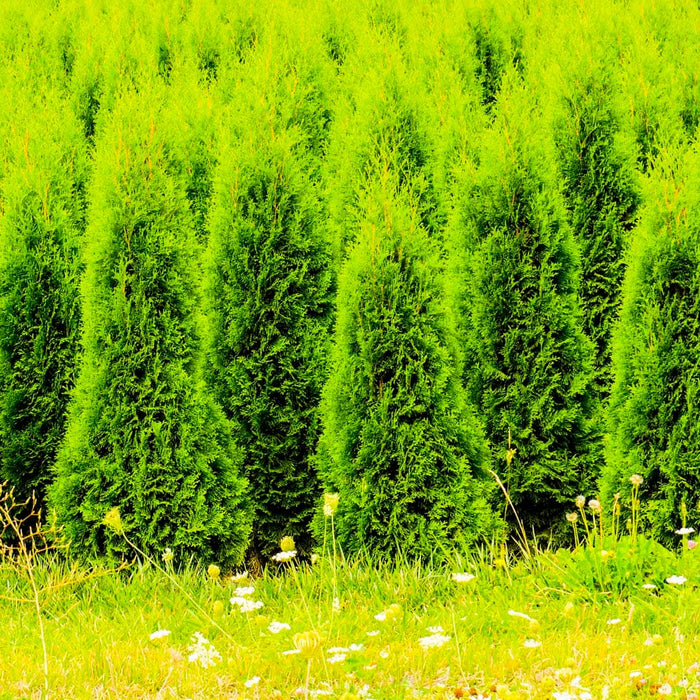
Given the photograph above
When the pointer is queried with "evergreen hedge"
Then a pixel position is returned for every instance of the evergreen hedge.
(400, 444)
(144, 434)
(654, 405)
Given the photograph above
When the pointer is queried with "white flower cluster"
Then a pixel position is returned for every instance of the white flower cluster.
(284, 556)
(436, 639)
(202, 651)
(241, 600)
(277, 627)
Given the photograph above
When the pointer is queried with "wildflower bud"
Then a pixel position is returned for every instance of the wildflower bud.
(629, 524)
(393, 611)
(113, 521)
(287, 544)
(580, 501)
(572, 517)
(307, 642)
(218, 608)
(692, 544)
(330, 504)
(214, 572)
(167, 555)
(636, 480)
(595, 506)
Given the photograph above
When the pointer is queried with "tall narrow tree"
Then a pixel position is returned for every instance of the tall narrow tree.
(40, 237)
(654, 405)
(528, 366)
(602, 197)
(270, 302)
(400, 445)
(144, 434)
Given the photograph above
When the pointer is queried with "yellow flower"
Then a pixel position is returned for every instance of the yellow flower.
(330, 504)
(287, 544)
(218, 608)
(214, 571)
(113, 521)
(308, 643)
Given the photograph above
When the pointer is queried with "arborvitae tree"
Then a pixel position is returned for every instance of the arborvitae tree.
(144, 434)
(270, 302)
(598, 168)
(40, 237)
(528, 367)
(654, 414)
(400, 445)
(383, 131)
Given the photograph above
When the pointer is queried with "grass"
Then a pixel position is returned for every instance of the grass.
(615, 642)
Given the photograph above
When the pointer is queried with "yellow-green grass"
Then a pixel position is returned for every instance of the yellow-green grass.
(99, 646)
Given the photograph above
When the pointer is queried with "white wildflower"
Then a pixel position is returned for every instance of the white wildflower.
(243, 591)
(462, 577)
(436, 629)
(685, 531)
(277, 627)
(373, 633)
(434, 640)
(158, 634)
(676, 580)
(202, 651)
(532, 643)
(614, 621)
(285, 556)
(337, 658)
(665, 689)
(252, 682)
(246, 605)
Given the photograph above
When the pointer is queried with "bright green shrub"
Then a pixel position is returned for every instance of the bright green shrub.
(653, 415)
(528, 366)
(598, 169)
(144, 434)
(400, 445)
(270, 302)
(40, 238)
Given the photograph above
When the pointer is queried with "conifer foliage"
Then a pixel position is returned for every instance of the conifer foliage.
(270, 303)
(528, 366)
(400, 445)
(599, 185)
(654, 415)
(40, 237)
(144, 434)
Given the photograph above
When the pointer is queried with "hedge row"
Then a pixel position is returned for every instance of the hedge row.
(252, 254)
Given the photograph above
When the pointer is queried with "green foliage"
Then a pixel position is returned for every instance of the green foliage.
(384, 131)
(602, 197)
(40, 237)
(144, 435)
(619, 569)
(400, 445)
(515, 279)
(653, 416)
(270, 303)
